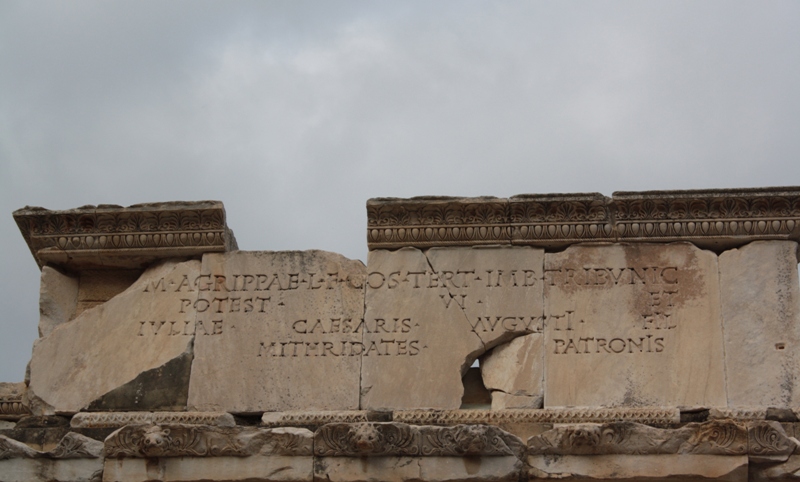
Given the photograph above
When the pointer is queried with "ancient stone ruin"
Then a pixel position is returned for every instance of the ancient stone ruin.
(646, 336)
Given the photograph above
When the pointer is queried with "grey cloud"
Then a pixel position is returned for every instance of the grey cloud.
(294, 113)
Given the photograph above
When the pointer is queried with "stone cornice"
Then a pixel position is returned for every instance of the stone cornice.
(716, 218)
(113, 236)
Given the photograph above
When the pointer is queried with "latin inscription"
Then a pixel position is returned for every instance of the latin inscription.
(397, 338)
(656, 286)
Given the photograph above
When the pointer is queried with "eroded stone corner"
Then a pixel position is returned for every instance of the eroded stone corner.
(142, 329)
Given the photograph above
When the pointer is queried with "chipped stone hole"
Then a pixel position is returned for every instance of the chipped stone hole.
(508, 375)
(780, 346)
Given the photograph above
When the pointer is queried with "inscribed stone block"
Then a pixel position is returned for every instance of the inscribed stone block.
(760, 300)
(287, 332)
(633, 325)
(431, 313)
(120, 348)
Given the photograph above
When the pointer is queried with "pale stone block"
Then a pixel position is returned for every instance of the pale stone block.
(760, 298)
(367, 469)
(664, 468)
(288, 332)
(478, 469)
(431, 313)
(40, 469)
(633, 325)
(502, 401)
(429, 469)
(58, 297)
(130, 351)
(272, 468)
(514, 373)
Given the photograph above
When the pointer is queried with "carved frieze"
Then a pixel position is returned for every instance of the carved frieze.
(651, 416)
(13, 409)
(469, 440)
(400, 439)
(739, 414)
(710, 438)
(708, 218)
(366, 438)
(437, 221)
(205, 441)
(119, 419)
(768, 442)
(113, 236)
(312, 418)
(12, 404)
(71, 446)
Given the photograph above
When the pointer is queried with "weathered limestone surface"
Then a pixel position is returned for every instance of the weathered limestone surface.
(286, 332)
(274, 468)
(36, 470)
(633, 325)
(640, 467)
(108, 236)
(514, 373)
(76, 458)
(442, 308)
(401, 469)
(760, 302)
(134, 335)
(58, 298)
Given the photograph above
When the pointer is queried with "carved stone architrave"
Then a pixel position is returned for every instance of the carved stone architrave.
(768, 442)
(312, 418)
(625, 438)
(426, 222)
(738, 414)
(205, 441)
(558, 220)
(712, 218)
(120, 419)
(13, 409)
(400, 439)
(71, 446)
(113, 236)
(650, 416)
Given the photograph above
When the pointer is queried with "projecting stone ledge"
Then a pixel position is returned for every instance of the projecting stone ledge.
(712, 218)
(109, 236)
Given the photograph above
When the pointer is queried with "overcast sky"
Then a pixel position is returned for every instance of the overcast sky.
(295, 113)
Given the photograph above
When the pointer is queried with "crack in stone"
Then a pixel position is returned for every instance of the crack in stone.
(463, 309)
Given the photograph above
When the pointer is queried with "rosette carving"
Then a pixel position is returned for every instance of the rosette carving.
(366, 438)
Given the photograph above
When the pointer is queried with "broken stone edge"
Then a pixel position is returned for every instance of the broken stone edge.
(113, 236)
